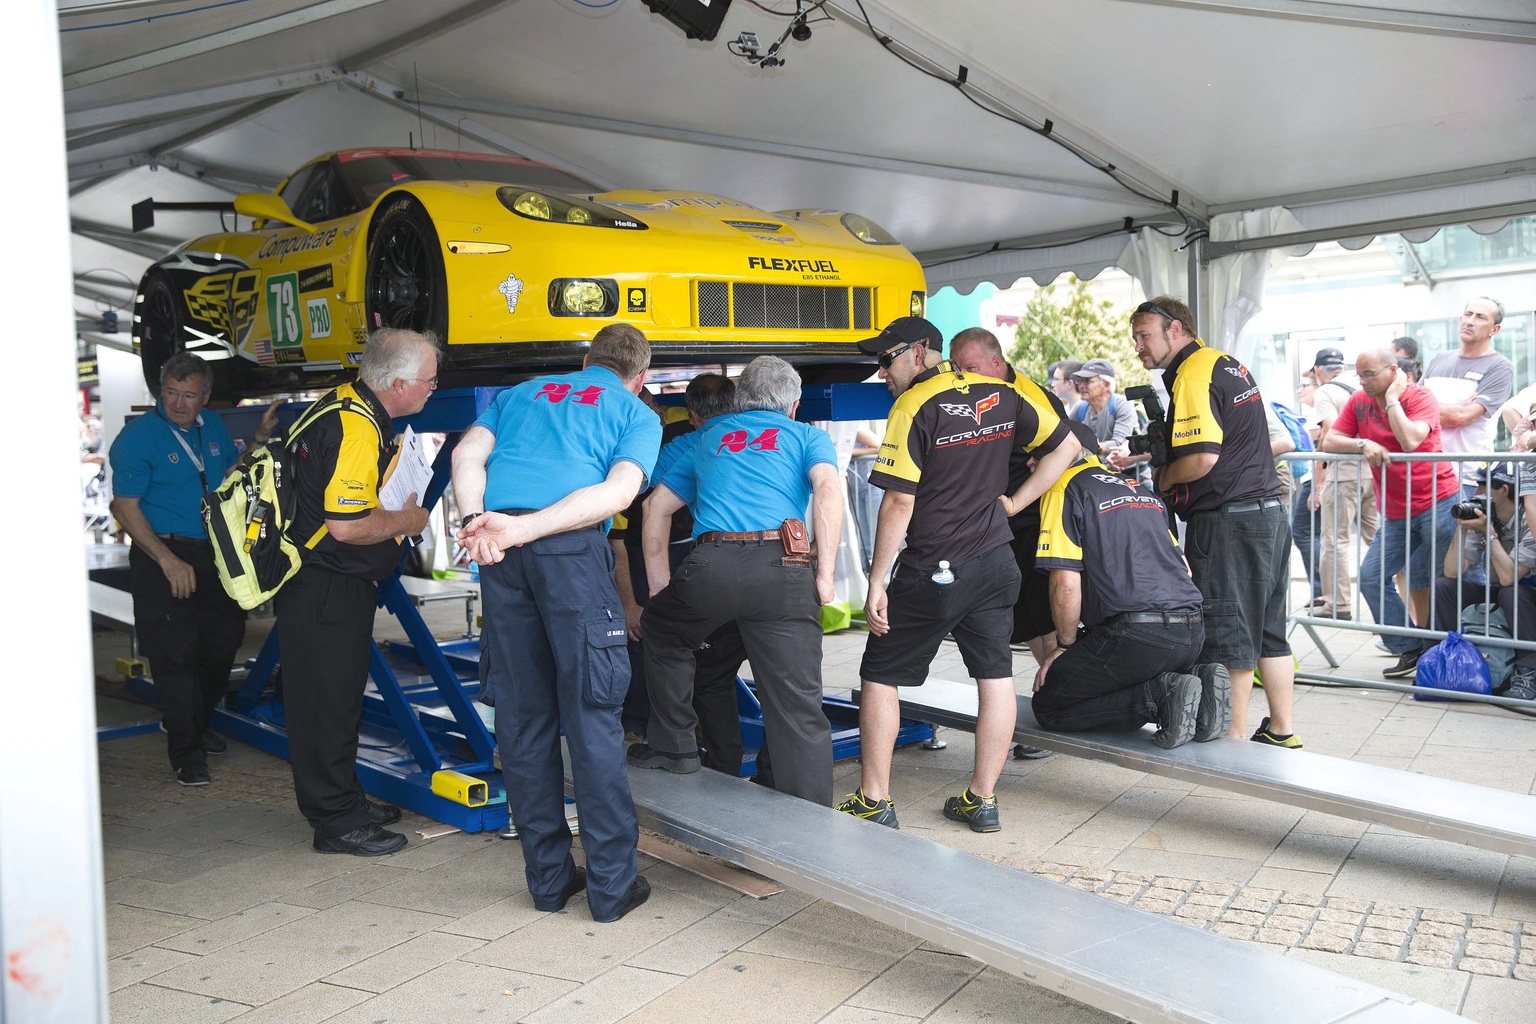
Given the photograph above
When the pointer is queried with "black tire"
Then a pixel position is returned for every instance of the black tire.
(159, 328)
(407, 285)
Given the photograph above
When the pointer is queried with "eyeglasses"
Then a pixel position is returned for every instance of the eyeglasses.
(1152, 307)
(430, 383)
(1372, 374)
(886, 358)
(1083, 382)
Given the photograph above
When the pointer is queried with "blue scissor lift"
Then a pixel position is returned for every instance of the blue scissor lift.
(420, 721)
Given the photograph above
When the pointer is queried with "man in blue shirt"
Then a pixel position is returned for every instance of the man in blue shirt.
(751, 474)
(189, 629)
(550, 462)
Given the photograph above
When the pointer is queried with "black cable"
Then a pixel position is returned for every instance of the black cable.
(958, 83)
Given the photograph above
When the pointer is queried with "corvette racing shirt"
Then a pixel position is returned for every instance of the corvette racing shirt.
(1215, 406)
(1115, 533)
(339, 460)
(948, 442)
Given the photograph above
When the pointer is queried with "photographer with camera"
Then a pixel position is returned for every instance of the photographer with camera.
(1497, 515)
(1388, 416)
(1212, 463)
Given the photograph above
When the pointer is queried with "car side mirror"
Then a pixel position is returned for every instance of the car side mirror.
(266, 206)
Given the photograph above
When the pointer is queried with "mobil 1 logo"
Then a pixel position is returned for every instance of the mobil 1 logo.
(289, 314)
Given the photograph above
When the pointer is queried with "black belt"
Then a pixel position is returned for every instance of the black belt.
(1251, 506)
(182, 540)
(1166, 618)
(518, 511)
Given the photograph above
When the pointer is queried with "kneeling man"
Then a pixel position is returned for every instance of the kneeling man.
(1127, 615)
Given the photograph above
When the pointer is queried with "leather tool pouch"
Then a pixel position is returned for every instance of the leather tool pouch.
(793, 534)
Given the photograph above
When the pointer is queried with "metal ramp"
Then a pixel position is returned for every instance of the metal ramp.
(1090, 949)
(1489, 819)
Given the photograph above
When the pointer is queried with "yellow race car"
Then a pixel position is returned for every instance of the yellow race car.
(515, 265)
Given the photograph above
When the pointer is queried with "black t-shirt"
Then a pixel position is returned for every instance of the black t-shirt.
(627, 524)
(338, 462)
(1115, 533)
(948, 441)
(1215, 406)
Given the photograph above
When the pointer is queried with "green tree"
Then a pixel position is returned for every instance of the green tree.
(1064, 321)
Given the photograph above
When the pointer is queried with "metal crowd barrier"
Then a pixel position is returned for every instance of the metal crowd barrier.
(1419, 627)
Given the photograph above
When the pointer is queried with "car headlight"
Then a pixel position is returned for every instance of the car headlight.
(583, 296)
(919, 300)
(551, 207)
(866, 230)
(531, 204)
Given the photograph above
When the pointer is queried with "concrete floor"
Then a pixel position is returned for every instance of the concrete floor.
(217, 909)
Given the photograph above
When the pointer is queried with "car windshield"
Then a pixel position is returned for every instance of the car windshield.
(370, 176)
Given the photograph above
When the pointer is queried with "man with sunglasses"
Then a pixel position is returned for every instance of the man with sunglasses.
(1220, 478)
(943, 465)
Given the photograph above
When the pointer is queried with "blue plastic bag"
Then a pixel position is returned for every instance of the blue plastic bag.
(1452, 664)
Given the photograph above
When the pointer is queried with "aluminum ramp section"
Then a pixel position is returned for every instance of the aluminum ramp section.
(1090, 949)
(1489, 819)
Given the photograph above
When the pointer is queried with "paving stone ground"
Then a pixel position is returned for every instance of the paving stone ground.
(217, 909)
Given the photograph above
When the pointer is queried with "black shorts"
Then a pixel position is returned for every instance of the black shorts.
(1032, 611)
(1241, 562)
(977, 608)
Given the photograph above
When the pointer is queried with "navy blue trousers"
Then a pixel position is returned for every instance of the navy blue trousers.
(555, 629)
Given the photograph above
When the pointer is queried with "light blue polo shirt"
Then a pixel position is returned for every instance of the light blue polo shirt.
(749, 471)
(150, 464)
(555, 435)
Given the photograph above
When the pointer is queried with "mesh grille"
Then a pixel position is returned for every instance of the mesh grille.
(790, 306)
(862, 319)
(713, 311)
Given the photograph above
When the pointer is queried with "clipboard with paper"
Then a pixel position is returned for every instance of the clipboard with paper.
(408, 473)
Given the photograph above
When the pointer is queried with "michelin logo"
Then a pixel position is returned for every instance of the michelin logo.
(350, 501)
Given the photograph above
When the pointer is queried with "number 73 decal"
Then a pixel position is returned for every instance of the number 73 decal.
(287, 319)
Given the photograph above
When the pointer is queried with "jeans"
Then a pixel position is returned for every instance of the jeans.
(1304, 530)
(1417, 545)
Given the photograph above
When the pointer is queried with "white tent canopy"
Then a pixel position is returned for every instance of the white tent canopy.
(1334, 120)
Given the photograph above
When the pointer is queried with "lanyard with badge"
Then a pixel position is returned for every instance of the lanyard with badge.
(196, 459)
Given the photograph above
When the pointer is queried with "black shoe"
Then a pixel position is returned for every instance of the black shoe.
(643, 755)
(881, 812)
(1406, 668)
(213, 743)
(381, 814)
(1177, 698)
(1522, 685)
(1024, 752)
(979, 812)
(1263, 735)
(193, 775)
(638, 894)
(1214, 716)
(578, 884)
(368, 841)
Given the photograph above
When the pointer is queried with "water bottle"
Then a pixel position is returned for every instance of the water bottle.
(943, 577)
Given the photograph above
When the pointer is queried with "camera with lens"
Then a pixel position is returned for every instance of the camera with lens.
(1470, 509)
(1155, 441)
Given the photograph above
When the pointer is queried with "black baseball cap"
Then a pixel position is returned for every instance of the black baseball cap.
(1329, 357)
(907, 330)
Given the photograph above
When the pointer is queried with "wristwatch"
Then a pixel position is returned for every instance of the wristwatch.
(469, 519)
(1360, 444)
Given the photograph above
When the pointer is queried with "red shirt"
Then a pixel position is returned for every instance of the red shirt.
(1433, 482)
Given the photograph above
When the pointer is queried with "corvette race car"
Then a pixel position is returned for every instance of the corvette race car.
(515, 265)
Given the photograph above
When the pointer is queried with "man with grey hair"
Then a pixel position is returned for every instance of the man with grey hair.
(1473, 382)
(325, 613)
(189, 629)
(748, 483)
(539, 474)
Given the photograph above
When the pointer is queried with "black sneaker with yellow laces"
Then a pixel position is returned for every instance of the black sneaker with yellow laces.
(979, 812)
(881, 812)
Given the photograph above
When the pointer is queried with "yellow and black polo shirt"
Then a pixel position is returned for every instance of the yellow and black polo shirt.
(1028, 519)
(948, 442)
(1215, 406)
(339, 461)
(1115, 533)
